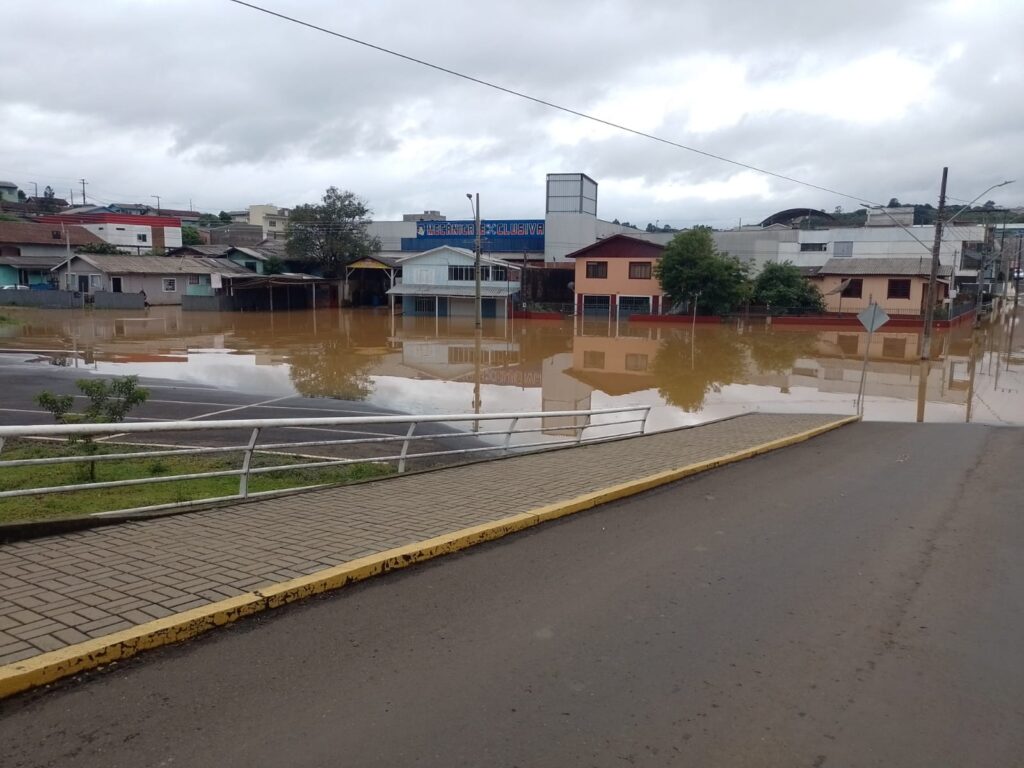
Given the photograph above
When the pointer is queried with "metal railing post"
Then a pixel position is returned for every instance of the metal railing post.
(405, 447)
(643, 423)
(511, 429)
(582, 428)
(243, 480)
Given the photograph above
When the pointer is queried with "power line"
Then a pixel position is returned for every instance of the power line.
(545, 103)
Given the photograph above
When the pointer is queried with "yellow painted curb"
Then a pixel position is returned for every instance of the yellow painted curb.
(49, 667)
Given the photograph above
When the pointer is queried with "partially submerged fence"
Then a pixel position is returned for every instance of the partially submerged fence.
(488, 434)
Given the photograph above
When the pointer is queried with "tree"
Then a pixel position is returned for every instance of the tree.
(273, 266)
(989, 205)
(894, 203)
(782, 288)
(225, 217)
(650, 228)
(331, 234)
(49, 202)
(190, 236)
(691, 268)
(209, 220)
(22, 197)
(109, 403)
(99, 248)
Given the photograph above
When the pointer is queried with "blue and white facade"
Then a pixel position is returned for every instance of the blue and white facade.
(441, 283)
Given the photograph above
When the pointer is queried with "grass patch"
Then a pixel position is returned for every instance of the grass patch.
(76, 503)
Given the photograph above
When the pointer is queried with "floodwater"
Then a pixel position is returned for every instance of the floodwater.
(689, 373)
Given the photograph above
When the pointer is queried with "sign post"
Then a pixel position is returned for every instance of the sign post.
(872, 319)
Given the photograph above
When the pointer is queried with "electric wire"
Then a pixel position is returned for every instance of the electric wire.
(546, 103)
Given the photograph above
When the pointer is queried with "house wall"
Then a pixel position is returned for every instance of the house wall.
(254, 264)
(136, 238)
(8, 275)
(153, 285)
(874, 287)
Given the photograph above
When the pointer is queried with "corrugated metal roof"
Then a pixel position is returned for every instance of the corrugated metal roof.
(29, 233)
(456, 291)
(160, 265)
(32, 262)
(212, 251)
(881, 266)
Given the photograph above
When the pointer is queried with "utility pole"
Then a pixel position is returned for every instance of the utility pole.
(929, 309)
(35, 188)
(157, 198)
(476, 257)
(83, 190)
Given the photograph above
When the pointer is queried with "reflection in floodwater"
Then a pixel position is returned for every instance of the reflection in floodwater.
(689, 373)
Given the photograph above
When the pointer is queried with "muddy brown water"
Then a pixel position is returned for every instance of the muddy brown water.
(690, 374)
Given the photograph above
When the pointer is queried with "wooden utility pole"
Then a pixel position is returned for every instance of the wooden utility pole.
(476, 251)
(83, 190)
(929, 308)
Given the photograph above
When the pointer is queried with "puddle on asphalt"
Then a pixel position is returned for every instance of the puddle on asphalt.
(689, 373)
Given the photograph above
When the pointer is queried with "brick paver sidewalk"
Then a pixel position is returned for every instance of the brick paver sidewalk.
(60, 590)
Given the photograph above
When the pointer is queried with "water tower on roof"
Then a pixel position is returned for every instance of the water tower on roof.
(570, 214)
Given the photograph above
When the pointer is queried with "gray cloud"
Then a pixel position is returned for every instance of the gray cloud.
(212, 102)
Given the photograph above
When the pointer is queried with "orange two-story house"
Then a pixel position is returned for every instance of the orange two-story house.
(615, 276)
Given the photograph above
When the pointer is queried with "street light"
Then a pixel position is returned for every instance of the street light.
(476, 253)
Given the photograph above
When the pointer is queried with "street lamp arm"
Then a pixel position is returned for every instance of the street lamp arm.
(966, 207)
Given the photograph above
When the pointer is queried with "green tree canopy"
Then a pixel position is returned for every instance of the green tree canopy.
(330, 234)
(99, 248)
(783, 288)
(225, 217)
(691, 268)
(190, 236)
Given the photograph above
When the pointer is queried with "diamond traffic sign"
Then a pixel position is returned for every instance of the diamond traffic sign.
(873, 318)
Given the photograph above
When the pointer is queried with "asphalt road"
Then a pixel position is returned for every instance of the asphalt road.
(852, 601)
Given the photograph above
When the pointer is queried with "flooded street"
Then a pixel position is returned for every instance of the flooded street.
(690, 373)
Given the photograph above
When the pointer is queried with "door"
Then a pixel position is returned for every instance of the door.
(634, 305)
(115, 284)
(596, 305)
(83, 283)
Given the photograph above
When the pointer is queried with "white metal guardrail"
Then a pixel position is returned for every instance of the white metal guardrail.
(571, 428)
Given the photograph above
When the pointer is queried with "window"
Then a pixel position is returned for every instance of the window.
(424, 304)
(804, 247)
(499, 274)
(142, 238)
(485, 273)
(55, 234)
(848, 343)
(899, 289)
(193, 279)
(250, 265)
(639, 270)
(894, 346)
(170, 284)
(636, 362)
(597, 269)
(593, 360)
(460, 273)
(853, 289)
(273, 223)
(95, 281)
(119, 229)
(842, 248)
(633, 305)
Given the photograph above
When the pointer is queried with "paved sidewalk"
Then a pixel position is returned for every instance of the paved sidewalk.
(62, 590)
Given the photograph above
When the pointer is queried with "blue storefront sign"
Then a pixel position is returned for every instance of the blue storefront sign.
(497, 235)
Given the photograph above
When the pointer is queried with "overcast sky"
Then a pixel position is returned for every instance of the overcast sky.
(207, 101)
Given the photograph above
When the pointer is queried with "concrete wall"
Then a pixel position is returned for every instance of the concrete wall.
(108, 300)
(47, 299)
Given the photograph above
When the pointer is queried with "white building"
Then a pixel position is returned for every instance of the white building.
(131, 234)
(274, 220)
(813, 247)
(441, 283)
